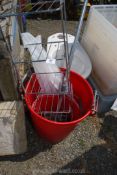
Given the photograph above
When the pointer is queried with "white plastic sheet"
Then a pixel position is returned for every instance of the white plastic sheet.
(81, 62)
(50, 81)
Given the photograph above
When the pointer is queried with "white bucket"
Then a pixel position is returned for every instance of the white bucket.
(55, 49)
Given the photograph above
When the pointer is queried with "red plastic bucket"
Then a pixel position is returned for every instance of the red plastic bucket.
(56, 131)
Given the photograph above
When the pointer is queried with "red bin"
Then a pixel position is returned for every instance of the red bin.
(53, 131)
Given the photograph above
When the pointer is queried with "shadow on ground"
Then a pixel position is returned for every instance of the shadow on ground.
(100, 159)
(35, 144)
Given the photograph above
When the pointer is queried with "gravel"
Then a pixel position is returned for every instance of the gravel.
(90, 149)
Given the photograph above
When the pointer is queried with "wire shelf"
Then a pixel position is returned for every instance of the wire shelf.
(56, 106)
(38, 7)
(47, 83)
(47, 106)
(43, 56)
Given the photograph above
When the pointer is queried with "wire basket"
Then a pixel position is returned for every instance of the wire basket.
(56, 106)
(45, 86)
(48, 107)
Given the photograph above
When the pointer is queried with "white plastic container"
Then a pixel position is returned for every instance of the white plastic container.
(81, 61)
(55, 47)
(100, 42)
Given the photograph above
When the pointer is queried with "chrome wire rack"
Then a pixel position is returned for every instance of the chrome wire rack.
(42, 56)
(47, 106)
(51, 90)
(34, 84)
(56, 106)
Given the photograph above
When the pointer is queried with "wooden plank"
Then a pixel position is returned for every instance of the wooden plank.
(15, 39)
(8, 84)
(12, 128)
(20, 67)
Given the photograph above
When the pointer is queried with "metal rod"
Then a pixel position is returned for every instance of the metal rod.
(40, 6)
(30, 62)
(66, 77)
(77, 33)
(63, 17)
